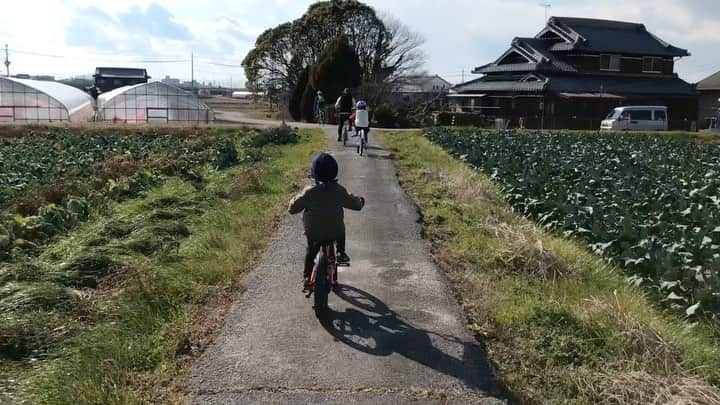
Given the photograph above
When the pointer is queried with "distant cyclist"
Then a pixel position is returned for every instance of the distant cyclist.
(320, 107)
(362, 118)
(344, 106)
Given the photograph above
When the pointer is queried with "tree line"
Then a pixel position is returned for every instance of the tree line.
(335, 44)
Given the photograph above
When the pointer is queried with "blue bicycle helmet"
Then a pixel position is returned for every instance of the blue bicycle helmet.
(324, 168)
(361, 104)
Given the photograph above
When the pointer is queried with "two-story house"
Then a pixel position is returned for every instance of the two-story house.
(574, 72)
(110, 78)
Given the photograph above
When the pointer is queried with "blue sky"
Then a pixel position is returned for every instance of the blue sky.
(77, 35)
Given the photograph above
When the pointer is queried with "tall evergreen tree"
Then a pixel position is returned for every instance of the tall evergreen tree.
(337, 68)
(296, 97)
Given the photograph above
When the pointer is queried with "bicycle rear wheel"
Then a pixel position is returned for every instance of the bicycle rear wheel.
(363, 146)
(322, 286)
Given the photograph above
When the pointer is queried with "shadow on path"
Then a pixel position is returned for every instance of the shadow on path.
(371, 327)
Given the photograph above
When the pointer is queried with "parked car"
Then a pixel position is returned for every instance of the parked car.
(636, 118)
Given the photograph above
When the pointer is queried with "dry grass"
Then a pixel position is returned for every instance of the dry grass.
(639, 387)
(560, 323)
(642, 346)
(117, 167)
(522, 252)
(248, 180)
(464, 187)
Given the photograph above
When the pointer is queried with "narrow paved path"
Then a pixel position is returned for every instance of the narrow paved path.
(396, 333)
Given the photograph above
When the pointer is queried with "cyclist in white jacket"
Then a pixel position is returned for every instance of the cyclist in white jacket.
(362, 118)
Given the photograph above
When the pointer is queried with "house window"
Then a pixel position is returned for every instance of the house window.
(660, 115)
(610, 62)
(652, 65)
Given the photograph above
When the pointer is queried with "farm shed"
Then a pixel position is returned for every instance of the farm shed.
(32, 101)
(153, 102)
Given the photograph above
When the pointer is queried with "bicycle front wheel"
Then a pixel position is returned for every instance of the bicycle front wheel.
(322, 286)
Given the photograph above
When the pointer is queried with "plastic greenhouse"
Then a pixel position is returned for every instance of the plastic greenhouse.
(30, 101)
(153, 102)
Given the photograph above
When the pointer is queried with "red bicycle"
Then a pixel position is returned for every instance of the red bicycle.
(324, 277)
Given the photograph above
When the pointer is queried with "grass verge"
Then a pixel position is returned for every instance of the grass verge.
(178, 255)
(560, 324)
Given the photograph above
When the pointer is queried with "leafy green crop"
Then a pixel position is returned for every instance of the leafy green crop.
(41, 159)
(650, 204)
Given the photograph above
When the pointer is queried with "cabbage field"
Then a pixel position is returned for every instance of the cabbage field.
(58, 184)
(648, 203)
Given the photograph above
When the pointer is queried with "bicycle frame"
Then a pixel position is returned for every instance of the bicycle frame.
(346, 129)
(329, 250)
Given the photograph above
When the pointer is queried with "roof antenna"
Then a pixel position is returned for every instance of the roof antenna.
(547, 7)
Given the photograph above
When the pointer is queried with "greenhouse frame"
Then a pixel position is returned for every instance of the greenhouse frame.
(155, 103)
(35, 101)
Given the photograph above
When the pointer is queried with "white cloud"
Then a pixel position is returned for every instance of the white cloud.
(460, 34)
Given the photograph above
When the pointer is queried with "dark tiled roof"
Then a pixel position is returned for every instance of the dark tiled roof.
(480, 85)
(621, 85)
(540, 47)
(578, 84)
(121, 72)
(711, 82)
(537, 49)
(512, 67)
(613, 37)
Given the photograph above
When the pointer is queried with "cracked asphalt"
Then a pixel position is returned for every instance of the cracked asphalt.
(395, 334)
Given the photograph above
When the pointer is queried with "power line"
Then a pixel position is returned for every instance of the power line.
(128, 58)
(222, 64)
(35, 54)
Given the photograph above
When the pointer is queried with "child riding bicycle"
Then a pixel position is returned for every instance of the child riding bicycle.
(361, 118)
(323, 205)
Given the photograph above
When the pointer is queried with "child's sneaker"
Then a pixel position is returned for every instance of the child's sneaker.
(343, 258)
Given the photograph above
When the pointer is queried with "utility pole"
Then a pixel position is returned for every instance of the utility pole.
(7, 61)
(462, 79)
(192, 72)
(547, 7)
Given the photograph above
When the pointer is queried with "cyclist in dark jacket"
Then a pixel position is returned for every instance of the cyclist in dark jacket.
(323, 205)
(344, 106)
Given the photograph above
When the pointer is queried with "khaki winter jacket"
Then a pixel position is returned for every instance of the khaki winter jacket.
(323, 210)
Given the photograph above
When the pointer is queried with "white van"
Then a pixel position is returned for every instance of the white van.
(636, 118)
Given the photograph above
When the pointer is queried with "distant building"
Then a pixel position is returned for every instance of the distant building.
(78, 82)
(42, 78)
(709, 104)
(171, 81)
(412, 85)
(574, 72)
(109, 78)
(421, 89)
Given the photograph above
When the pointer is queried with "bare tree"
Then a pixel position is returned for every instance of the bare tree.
(400, 56)
(403, 54)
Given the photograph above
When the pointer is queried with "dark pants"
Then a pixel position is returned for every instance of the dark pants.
(341, 121)
(313, 248)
